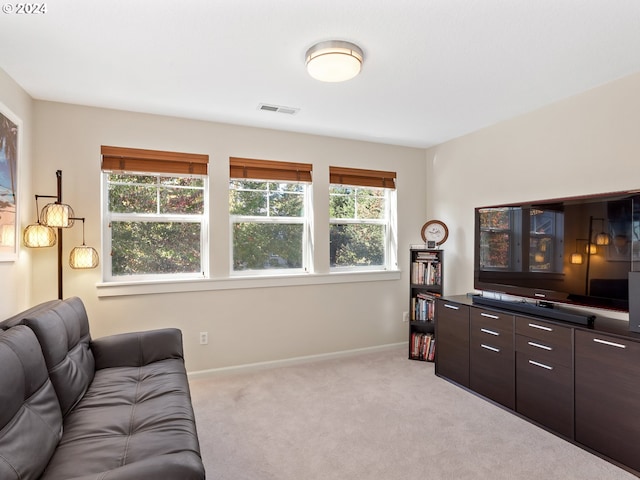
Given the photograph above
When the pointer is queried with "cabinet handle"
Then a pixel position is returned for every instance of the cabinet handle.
(493, 349)
(538, 364)
(488, 315)
(611, 344)
(540, 327)
(452, 307)
(490, 332)
(539, 345)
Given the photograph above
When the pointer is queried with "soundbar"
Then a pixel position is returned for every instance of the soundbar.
(538, 311)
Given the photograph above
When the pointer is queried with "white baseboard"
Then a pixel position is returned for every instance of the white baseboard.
(251, 367)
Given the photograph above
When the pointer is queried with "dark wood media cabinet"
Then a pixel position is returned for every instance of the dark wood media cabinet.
(580, 382)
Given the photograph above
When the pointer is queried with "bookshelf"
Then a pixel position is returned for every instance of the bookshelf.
(425, 277)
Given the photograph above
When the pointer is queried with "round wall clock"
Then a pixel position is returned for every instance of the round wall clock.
(434, 231)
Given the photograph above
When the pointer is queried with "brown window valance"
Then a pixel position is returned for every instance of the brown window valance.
(139, 160)
(250, 168)
(362, 177)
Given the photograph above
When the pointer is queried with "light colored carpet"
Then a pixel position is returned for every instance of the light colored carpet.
(373, 416)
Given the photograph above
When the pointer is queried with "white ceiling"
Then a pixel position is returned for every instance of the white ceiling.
(433, 69)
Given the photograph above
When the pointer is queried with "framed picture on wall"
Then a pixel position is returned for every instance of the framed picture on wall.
(10, 131)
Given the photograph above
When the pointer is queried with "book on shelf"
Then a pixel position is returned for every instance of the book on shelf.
(426, 272)
(423, 306)
(432, 350)
(422, 346)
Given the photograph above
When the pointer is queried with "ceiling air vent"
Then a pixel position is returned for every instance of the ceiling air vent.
(278, 109)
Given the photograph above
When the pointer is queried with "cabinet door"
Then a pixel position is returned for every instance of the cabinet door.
(492, 357)
(607, 396)
(452, 341)
(544, 392)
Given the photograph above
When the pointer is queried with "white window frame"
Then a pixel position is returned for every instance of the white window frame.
(391, 234)
(304, 220)
(109, 217)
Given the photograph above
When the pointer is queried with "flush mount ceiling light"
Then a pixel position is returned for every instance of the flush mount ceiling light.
(334, 61)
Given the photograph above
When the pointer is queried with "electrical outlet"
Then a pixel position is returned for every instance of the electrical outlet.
(405, 316)
(204, 338)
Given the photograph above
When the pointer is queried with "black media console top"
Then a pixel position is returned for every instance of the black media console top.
(538, 311)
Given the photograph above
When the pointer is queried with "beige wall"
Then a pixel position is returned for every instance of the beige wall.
(585, 144)
(582, 145)
(14, 276)
(244, 325)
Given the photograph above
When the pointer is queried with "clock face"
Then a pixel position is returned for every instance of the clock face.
(435, 231)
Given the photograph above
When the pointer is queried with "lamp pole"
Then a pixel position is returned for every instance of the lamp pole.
(59, 197)
(586, 281)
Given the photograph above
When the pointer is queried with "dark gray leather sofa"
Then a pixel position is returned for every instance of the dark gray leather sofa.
(115, 408)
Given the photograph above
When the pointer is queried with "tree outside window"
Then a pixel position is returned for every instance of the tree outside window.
(268, 224)
(358, 226)
(362, 223)
(269, 210)
(156, 224)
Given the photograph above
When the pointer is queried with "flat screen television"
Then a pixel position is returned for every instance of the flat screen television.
(576, 250)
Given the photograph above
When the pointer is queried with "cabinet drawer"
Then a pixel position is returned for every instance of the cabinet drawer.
(544, 352)
(491, 329)
(549, 333)
(492, 320)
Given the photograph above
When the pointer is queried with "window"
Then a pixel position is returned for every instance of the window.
(362, 210)
(546, 229)
(155, 212)
(268, 211)
(498, 232)
(505, 245)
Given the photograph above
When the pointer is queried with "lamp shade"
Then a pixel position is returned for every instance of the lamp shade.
(58, 215)
(83, 257)
(576, 258)
(38, 236)
(603, 238)
(334, 61)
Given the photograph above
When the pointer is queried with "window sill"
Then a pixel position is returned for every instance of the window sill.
(118, 289)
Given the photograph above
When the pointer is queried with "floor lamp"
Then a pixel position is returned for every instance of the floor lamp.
(42, 234)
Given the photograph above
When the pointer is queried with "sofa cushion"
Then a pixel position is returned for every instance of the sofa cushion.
(135, 349)
(30, 417)
(63, 333)
(133, 422)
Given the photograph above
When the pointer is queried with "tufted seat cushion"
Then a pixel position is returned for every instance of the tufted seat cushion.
(127, 417)
(30, 417)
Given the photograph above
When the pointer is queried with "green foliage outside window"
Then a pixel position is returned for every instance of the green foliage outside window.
(495, 238)
(142, 248)
(259, 246)
(155, 194)
(155, 224)
(359, 240)
(268, 224)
